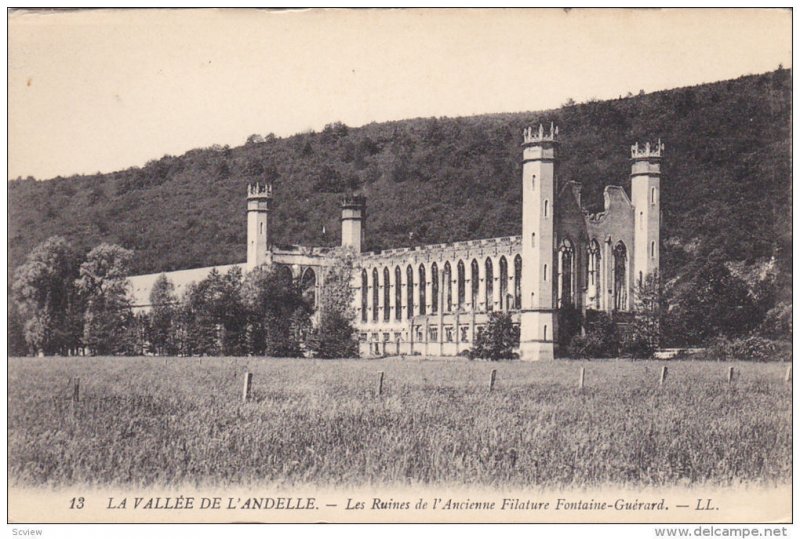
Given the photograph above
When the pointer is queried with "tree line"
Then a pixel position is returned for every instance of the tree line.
(63, 303)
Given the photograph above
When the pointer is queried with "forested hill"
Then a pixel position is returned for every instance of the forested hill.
(726, 181)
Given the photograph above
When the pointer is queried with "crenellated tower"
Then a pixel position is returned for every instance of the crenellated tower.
(259, 224)
(539, 177)
(353, 216)
(646, 199)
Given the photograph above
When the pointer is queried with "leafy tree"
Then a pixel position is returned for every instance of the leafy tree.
(498, 339)
(277, 312)
(642, 337)
(334, 335)
(215, 314)
(49, 306)
(162, 324)
(103, 284)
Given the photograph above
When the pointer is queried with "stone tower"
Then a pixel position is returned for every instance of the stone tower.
(353, 217)
(539, 177)
(259, 224)
(646, 199)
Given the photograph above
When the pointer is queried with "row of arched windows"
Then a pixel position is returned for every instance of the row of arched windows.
(440, 281)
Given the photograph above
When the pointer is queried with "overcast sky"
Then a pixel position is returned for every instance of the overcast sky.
(106, 90)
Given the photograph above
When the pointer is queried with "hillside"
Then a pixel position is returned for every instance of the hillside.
(726, 181)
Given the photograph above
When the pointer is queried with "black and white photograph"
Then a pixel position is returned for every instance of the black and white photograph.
(416, 265)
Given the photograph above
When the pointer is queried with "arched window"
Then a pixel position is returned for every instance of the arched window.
(447, 282)
(533, 182)
(364, 295)
(517, 282)
(640, 279)
(409, 292)
(261, 228)
(533, 239)
(504, 303)
(547, 208)
(285, 274)
(641, 220)
(434, 288)
(308, 286)
(375, 296)
(422, 289)
(544, 333)
(653, 196)
(652, 249)
(489, 289)
(593, 276)
(387, 310)
(544, 273)
(566, 263)
(475, 284)
(461, 286)
(398, 294)
(620, 277)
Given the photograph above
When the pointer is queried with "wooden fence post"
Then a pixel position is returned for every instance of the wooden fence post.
(730, 375)
(492, 378)
(248, 382)
(581, 378)
(663, 376)
(76, 390)
(788, 377)
(380, 384)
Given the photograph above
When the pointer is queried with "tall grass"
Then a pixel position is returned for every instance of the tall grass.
(156, 421)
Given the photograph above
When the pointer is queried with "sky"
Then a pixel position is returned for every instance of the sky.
(104, 90)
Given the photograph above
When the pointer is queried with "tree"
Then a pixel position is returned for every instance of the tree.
(599, 340)
(643, 336)
(215, 314)
(334, 336)
(498, 339)
(103, 284)
(163, 317)
(50, 308)
(277, 312)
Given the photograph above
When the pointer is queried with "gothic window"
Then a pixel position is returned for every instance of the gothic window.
(545, 273)
(398, 294)
(475, 284)
(620, 277)
(461, 287)
(566, 263)
(363, 295)
(285, 274)
(261, 228)
(447, 281)
(375, 286)
(409, 292)
(434, 288)
(653, 196)
(422, 289)
(308, 286)
(652, 249)
(489, 289)
(546, 208)
(504, 303)
(387, 310)
(593, 275)
(517, 282)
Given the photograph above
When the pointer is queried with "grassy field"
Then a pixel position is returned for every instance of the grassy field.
(157, 421)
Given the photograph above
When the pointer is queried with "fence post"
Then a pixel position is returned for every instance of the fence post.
(76, 390)
(788, 377)
(663, 376)
(380, 384)
(730, 375)
(581, 378)
(492, 378)
(248, 382)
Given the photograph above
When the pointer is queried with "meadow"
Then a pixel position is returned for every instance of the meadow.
(171, 421)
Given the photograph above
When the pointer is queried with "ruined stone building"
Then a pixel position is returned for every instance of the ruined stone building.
(436, 299)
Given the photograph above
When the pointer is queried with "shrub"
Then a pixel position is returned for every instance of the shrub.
(750, 348)
(601, 338)
(498, 339)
